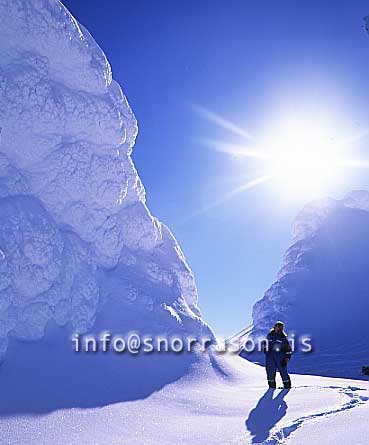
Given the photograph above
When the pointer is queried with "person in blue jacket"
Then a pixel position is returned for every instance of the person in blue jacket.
(277, 355)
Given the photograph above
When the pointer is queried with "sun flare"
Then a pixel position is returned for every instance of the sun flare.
(302, 157)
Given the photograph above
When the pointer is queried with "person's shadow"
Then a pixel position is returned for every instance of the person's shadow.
(266, 414)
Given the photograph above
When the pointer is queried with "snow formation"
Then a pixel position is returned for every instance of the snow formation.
(322, 289)
(75, 233)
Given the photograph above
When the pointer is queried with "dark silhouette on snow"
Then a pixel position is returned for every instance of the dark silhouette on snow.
(277, 355)
(266, 414)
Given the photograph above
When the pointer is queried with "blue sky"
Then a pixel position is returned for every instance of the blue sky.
(248, 62)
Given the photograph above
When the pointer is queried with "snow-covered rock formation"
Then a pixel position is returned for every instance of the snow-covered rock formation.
(79, 250)
(322, 289)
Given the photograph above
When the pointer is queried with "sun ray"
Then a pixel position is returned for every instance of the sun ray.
(235, 150)
(221, 121)
(355, 163)
(243, 187)
(351, 139)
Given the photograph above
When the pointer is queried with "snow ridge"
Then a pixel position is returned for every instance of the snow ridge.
(324, 272)
(72, 207)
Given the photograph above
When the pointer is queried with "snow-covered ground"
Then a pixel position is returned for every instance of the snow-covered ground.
(206, 407)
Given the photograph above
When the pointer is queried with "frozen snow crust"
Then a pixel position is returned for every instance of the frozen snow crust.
(75, 233)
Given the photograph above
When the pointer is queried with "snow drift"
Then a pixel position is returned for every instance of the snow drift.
(79, 250)
(322, 289)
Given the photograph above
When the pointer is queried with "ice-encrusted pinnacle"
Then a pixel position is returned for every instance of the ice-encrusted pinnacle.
(73, 217)
(314, 214)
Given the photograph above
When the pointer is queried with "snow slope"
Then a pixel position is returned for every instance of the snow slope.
(322, 288)
(205, 407)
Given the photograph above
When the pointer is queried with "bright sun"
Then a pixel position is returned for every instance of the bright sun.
(301, 156)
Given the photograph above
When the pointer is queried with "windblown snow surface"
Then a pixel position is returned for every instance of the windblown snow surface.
(223, 404)
(80, 252)
(322, 289)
